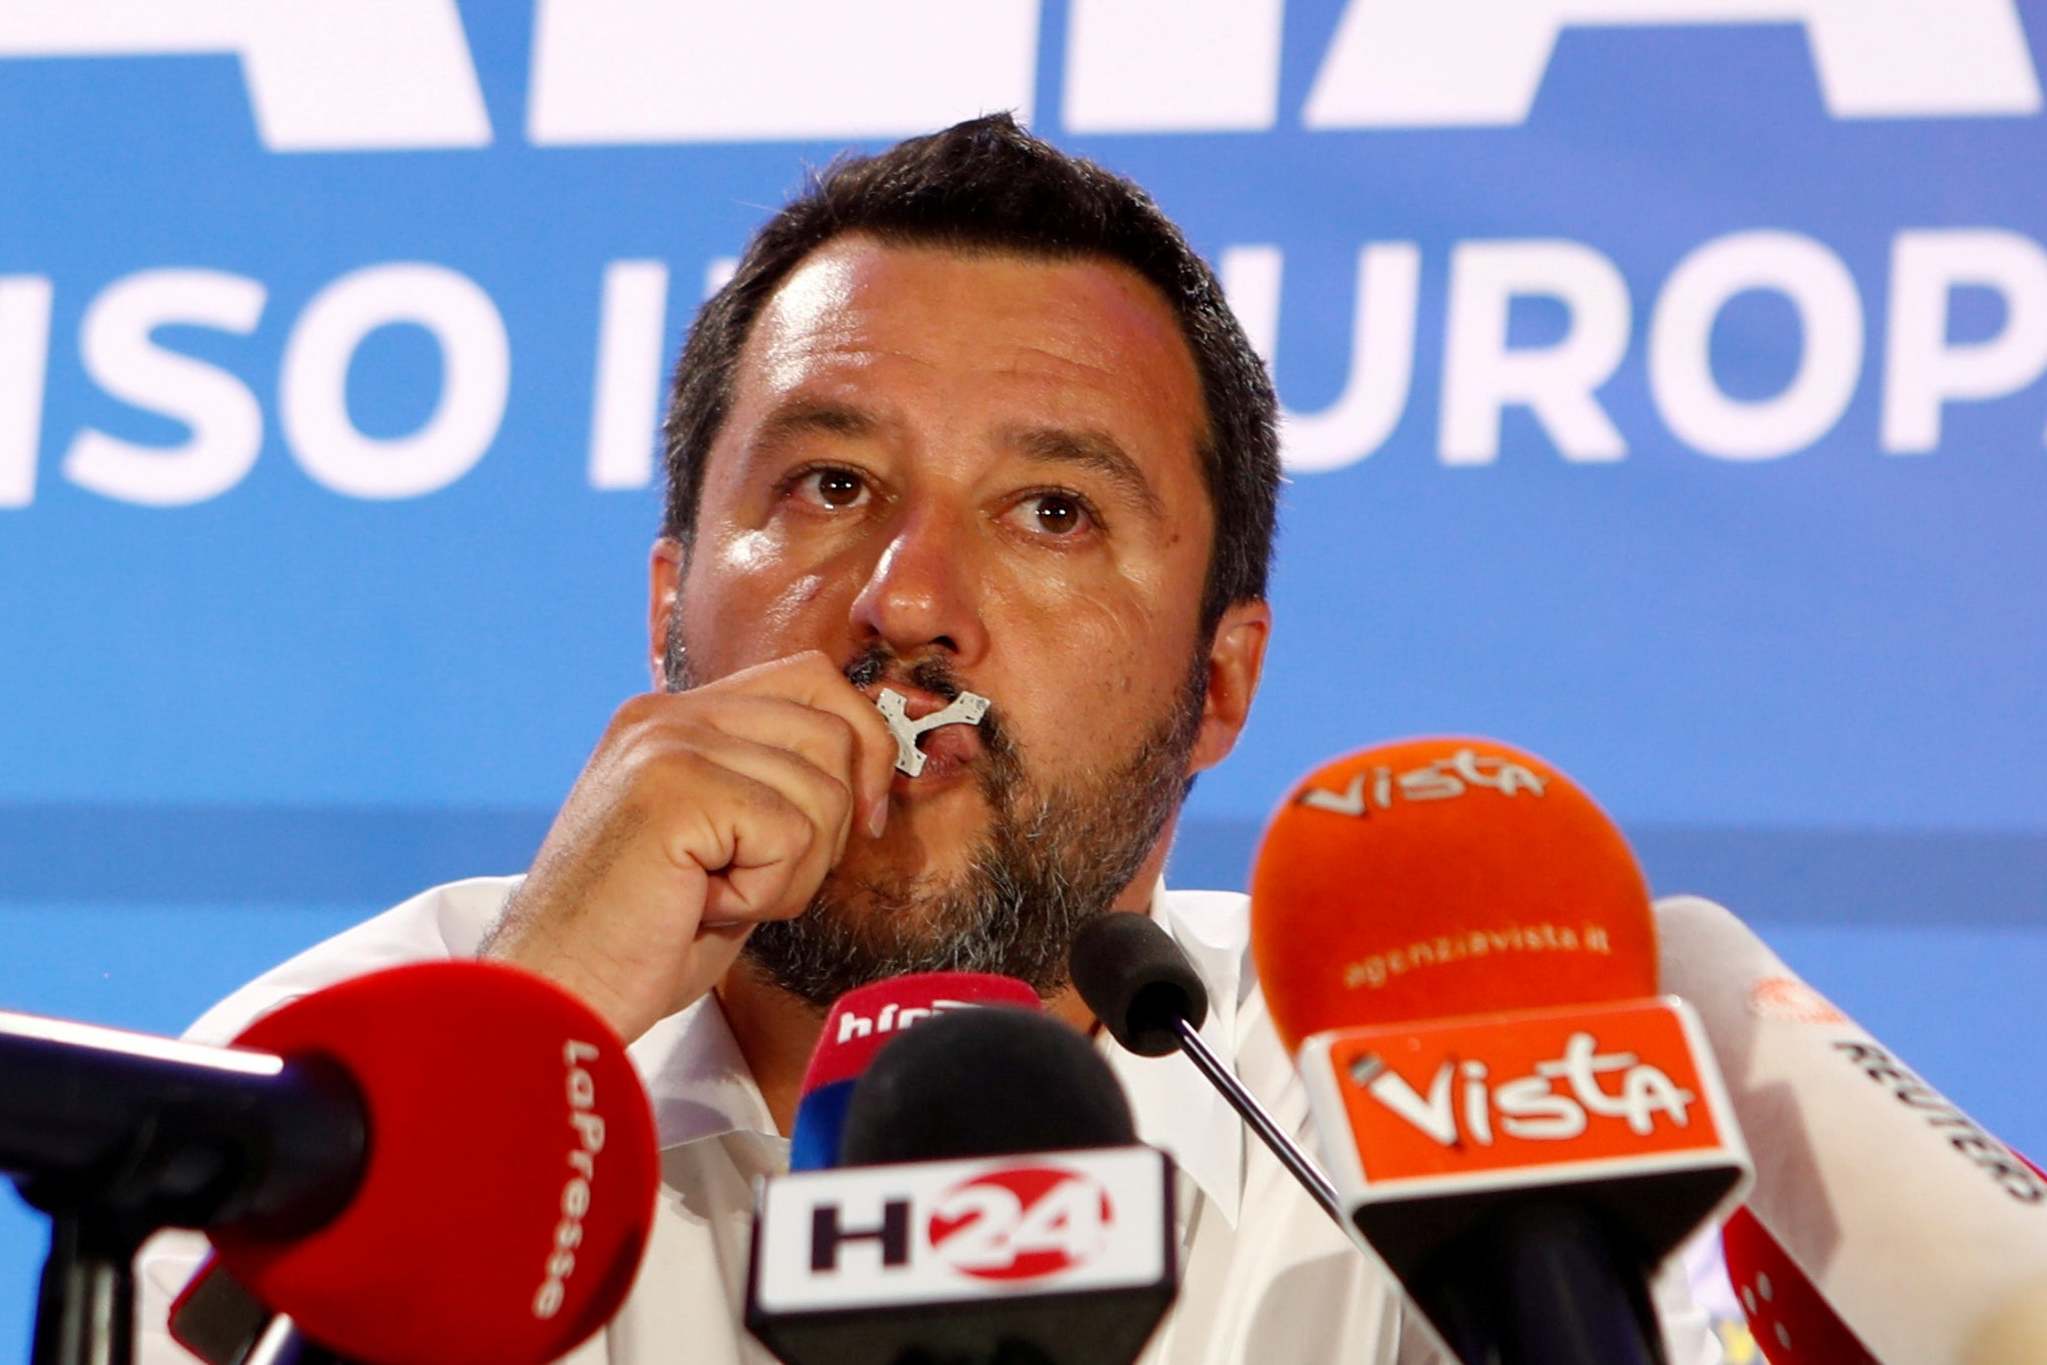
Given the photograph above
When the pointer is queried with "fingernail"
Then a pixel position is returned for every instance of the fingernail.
(877, 818)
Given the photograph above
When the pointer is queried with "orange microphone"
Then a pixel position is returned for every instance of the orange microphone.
(1458, 944)
(1437, 877)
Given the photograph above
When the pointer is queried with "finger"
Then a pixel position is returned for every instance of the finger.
(814, 680)
(824, 798)
(746, 837)
(817, 737)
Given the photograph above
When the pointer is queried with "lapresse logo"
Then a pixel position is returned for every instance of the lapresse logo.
(588, 1126)
(938, 1231)
(334, 76)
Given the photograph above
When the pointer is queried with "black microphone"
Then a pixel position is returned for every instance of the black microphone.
(993, 1081)
(1148, 995)
(175, 1134)
(992, 1208)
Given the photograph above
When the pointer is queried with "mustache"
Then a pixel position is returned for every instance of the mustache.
(877, 663)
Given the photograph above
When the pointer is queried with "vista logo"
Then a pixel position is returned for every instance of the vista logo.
(1532, 1107)
(1445, 779)
(1488, 1101)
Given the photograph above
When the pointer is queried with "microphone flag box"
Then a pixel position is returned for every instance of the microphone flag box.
(1426, 1126)
(1072, 1249)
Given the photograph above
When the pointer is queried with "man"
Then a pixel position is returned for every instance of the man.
(970, 415)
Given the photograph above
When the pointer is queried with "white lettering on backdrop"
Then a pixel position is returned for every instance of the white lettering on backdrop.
(1557, 381)
(323, 75)
(328, 75)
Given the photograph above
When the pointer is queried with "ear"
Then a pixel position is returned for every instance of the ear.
(664, 580)
(1236, 657)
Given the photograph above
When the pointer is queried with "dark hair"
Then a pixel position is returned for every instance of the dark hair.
(987, 184)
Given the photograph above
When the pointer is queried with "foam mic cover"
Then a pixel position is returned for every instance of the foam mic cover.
(1924, 1232)
(1137, 982)
(859, 1023)
(985, 1082)
(510, 1177)
(1440, 877)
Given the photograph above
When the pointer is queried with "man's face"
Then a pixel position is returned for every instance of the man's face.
(970, 471)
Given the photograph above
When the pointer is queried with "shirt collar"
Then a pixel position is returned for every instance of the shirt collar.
(697, 1078)
(1176, 1107)
(702, 1088)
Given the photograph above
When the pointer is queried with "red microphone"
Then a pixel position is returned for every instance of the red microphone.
(860, 1022)
(1791, 1322)
(509, 1180)
(1459, 943)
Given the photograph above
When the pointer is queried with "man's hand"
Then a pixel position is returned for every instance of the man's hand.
(701, 814)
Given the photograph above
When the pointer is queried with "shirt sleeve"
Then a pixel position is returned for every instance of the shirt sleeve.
(446, 922)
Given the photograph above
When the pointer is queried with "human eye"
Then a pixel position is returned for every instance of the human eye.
(829, 488)
(1055, 514)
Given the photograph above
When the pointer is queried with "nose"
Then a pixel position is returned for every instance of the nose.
(922, 593)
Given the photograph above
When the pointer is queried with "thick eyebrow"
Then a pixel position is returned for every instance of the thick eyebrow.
(1092, 449)
(800, 417)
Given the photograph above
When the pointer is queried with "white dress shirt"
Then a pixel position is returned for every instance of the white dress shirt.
(1266, 1277)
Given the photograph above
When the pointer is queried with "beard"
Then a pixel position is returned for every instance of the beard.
(1056, 854)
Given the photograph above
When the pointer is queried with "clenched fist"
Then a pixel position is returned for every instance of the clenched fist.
(700, 814)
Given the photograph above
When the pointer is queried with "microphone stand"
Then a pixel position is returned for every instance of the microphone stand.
(85, 1305)
(281, 1344)
(1317, 1185)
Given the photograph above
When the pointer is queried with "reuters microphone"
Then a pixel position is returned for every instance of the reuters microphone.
(1458, 944)
(993, 1206)
(1921, 1230)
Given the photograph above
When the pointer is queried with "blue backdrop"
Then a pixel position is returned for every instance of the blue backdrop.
(1664, 395)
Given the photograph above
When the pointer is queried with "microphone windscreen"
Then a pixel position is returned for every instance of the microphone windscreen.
(1137, 982)
(859, 1023)
(1861, 1162)
(1440, 877)
(510, 1180)
(986, 1082)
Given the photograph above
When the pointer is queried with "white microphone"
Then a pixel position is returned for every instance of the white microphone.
(1924, 1232)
